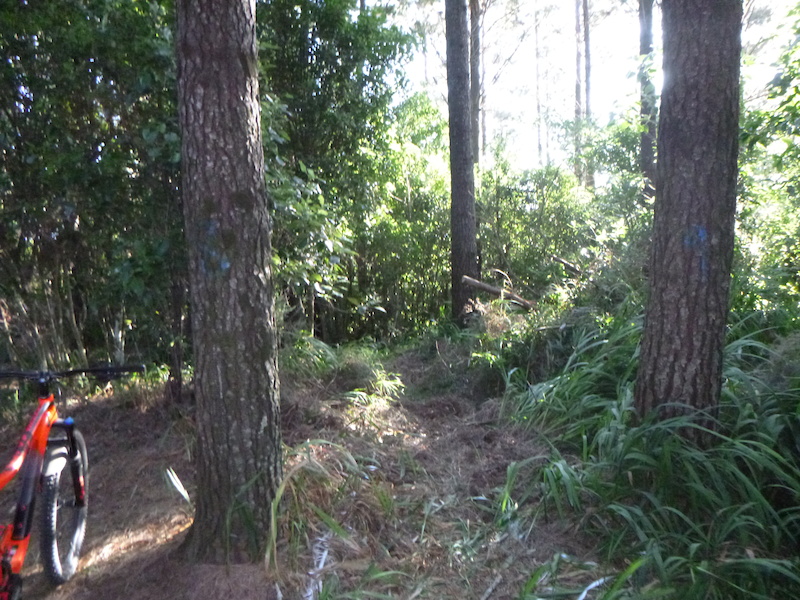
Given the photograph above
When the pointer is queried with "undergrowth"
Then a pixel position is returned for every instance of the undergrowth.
(389, 498)
(679, 520)
(670, 518)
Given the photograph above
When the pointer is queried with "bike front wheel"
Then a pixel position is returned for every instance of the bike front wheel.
(64, 508)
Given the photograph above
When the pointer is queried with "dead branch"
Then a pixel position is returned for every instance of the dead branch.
(572, 268)
(526, 304)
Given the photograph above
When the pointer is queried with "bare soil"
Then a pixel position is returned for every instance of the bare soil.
(399, 497)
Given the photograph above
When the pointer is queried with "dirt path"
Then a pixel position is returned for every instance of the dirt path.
(407, 503)
(134, 515)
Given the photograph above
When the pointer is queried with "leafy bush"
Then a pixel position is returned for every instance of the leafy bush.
(528, 218)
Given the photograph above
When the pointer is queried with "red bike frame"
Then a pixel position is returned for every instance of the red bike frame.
(40, 459)
(28, 460)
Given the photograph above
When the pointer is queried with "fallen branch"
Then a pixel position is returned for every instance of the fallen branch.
(570, 267)
(526, 304)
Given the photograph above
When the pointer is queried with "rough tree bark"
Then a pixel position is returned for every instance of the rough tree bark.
(463, 232)
(693, 236)
(238, 454)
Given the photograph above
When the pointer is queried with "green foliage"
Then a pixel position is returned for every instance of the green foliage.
(768, 251)
(90, 151)
(717, 521)
(526, 219)
(308, 356)
(403, 243)
(334, 65)
(766, 267)
(310, 246)
(91, 244)
(614, 266)
(616, 153)
(600, 366)
(385, 271)
(331, 63)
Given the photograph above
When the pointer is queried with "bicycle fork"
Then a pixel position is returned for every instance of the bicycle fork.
(73, 458)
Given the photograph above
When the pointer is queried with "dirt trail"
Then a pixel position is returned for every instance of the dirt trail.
(421, 520)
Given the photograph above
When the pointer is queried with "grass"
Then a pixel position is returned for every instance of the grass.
(719, 521)
(595, 371)
(320, 481)
(337, 515)
(669, 518)
(384, 492)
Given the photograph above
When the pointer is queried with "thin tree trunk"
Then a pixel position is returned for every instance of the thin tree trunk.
(482, 136)
(587, 86)
(59, 353)
(648, 111)
(475, 77)
(463, 231)
(578, 138)
(587, 63)
(173, 391)
(72, 318)
(539, 116)
(475, 64)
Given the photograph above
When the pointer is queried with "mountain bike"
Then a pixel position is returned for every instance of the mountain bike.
(51, 460)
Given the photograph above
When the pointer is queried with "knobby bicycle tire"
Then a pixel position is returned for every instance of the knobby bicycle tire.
(63, 515)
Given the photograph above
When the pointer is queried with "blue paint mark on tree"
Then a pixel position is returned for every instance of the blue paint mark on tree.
(697, 239)
(213, 257)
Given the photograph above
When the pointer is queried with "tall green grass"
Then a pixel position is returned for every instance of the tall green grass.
(718, 521)
(598, 369)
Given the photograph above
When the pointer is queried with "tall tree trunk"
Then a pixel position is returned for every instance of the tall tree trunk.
(542, 128)
(539, 117)
(693, 236)
(238, 454)
(587, 86)
(587, 62)
(475, 82)
(578, 137)
(462, 204)
(475, 78)
(648, 111)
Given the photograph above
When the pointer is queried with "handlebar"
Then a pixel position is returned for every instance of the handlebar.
(103, 373)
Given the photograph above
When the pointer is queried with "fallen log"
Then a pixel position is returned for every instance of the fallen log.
(500, 292)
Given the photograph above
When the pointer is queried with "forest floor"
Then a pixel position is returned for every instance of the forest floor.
(405, 498)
